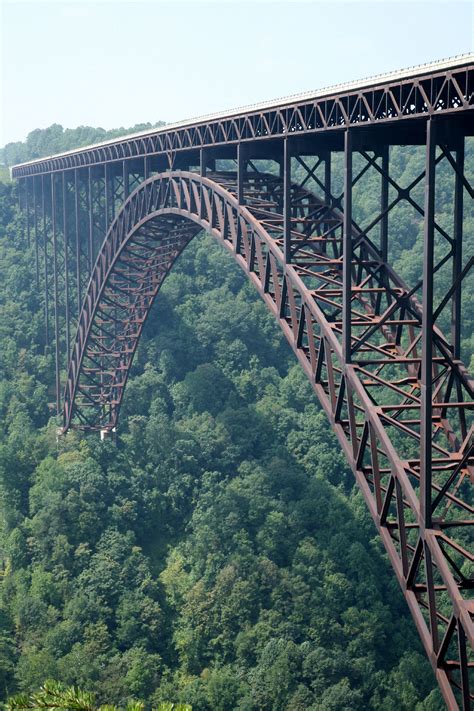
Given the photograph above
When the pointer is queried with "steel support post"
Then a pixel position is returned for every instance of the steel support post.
(27, 208)
(427, 328)
(117, 192)
(457, 251)
(241, 164)
(126, 184)
(286, 201)
(66, 260)
(107, 196)
(78, 241)
(35, 200)
(326, 186)
(347, 249)
(45, 254)
(203, 156)
(91, 221)
(146, 167)
(384, 154)
(56, 294)
(327, 178)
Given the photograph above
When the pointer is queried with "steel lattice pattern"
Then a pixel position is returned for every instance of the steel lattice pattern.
(380, 102)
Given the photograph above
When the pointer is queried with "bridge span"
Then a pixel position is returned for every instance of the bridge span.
(106, 223)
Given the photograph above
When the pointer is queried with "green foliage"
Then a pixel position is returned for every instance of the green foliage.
(53, 695)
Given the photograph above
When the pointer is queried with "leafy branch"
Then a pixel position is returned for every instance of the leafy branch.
(54, 695)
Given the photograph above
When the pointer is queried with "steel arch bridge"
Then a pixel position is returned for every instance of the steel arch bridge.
(107, 222)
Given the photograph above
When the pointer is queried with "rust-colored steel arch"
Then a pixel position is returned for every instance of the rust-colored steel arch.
(154, 226)
(368, 378)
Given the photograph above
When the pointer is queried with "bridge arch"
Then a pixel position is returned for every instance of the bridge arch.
(155, 224)
(159, 220)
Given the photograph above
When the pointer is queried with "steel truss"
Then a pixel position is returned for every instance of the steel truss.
(382, 100)
(383, 356)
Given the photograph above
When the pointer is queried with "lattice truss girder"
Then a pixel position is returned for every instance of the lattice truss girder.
(437, 91)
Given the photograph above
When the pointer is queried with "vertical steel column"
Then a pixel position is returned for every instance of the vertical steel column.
(126, 185)
(27, 208)
(203, 162)
(427, 328)
(78, 241)
(45, 251)
(106, 196)
(327, 178)
(327, 190)
(66, 259)
(384, 154)
(241, 159)
(56, 294)
(35, 200)
(91, 221)
(347, 249)
(146, 167)
(457, 250)
(116, 178)
(286, 201)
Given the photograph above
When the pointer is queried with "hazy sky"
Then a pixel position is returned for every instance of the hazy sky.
(110, 63)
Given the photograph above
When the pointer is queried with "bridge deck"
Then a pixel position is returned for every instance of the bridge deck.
(441, 87)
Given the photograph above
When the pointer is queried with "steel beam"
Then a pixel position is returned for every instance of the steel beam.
(242, 155)
(427, 329)
(27, 209)
(35, 201)
(107, 195)
(384, 203)
(56, 295)
(125, 177)
(77, 233)
(90, 215)
(206, 162)
(347, 250)
(203, 162)
(67, 314)
(287, 201)
(327, 177)
(45, 265)
(456, 321)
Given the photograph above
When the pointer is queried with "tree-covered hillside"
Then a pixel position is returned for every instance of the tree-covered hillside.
(219, 554)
